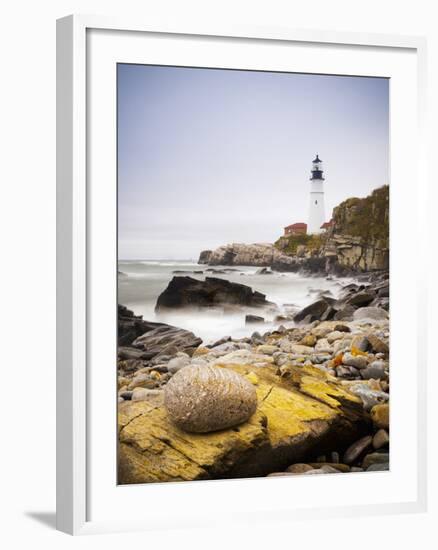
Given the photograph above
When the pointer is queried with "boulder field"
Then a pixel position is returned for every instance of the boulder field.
(319, 402)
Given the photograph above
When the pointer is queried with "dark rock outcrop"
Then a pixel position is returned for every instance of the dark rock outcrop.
(167, 340)
(131, 326)
(313, 312)
(204, 257)
(188, 292)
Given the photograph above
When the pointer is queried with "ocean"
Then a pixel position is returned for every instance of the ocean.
(142, 281)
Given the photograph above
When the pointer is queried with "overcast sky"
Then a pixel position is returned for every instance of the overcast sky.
(207, 157)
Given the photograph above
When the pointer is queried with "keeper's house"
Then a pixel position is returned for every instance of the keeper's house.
(295, 229)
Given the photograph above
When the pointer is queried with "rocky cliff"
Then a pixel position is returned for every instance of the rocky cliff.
(359, 237)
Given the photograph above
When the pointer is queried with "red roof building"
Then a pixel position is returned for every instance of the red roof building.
(327, 225)
(296, 229)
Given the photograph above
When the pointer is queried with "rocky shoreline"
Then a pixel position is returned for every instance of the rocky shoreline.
(315, 392)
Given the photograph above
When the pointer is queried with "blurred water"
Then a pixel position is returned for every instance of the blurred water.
(141, 282)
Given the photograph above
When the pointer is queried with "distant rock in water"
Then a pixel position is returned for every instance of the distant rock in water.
(259, 255)
(204, 399)
(204, 257)
(188, 292)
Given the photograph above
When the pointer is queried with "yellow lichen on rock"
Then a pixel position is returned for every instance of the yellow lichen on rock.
(159, 451)
(293, 413)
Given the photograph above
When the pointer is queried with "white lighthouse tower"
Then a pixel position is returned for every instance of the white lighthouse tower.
(316, 203)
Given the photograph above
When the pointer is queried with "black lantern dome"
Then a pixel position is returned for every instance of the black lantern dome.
(317, 171)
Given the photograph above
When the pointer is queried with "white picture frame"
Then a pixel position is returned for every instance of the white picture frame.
(77, 232)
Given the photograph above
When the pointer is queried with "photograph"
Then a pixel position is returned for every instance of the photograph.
(253, 259)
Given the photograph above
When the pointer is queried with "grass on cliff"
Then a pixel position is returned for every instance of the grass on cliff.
(367, 218)
(289, 244)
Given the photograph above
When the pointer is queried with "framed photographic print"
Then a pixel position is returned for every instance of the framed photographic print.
(234, 208)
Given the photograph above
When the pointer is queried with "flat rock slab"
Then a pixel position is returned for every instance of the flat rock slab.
(308, 411)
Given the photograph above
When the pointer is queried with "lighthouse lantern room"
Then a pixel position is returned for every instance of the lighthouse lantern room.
(316, 201)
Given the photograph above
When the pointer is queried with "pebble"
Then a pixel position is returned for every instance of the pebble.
(374, 313)
(358, 361)
(142, 394)
(301, 350)
(375, 370)
(360, 342)
(177, 363)
(380, 415)
(383, 467)
(323, 470)
(335, 335)
(143, 381)
(356, 449)
(308, 340)
(323, 346)
(370, 398)
(267, 349)
(126, 395)
(334, 456)
(380, 439)
(375, 458)
(377, 345)
(299, 468)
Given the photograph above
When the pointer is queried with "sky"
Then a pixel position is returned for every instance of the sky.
(208, 157)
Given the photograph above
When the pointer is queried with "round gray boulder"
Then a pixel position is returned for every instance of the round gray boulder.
(205, 399)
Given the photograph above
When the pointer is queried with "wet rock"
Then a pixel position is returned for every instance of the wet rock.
(380, 439)
(315, 311)
(206, 399)
(221, 341)
(125, 352)
(357, 449)
(252, 319)
(204, 256)
(131, 326)
(361, 299)
(344, 313)
(380, 416)
(374, 313)
(188, 292)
